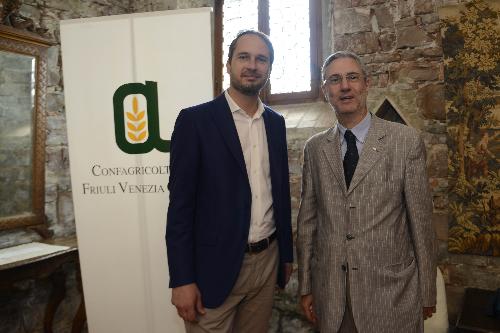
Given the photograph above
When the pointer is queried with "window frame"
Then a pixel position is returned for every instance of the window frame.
(263, 25)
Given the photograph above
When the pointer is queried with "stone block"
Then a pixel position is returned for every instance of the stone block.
(54, 160)
(356, 3)
(55, 122)
(54, 76)
(374, 23)
(63, 5)
(56, 137)
(351, 20)
(387, 41)
(433, 138)
(427, 52)
(383, 80)
(295, 166)
(31, 11)
(429, 18)
(55, 102)
(433, 51)
(65, 213)
(384, 17)
(411, 37)
(423, 6)
(404, 8)
(413, 73)
(430, 101)
(359, 43)
(410, 54)
(194, 3)
(376, 68)
(435, 126)
(432, 28)
(439, 189)
(367, 58)
(406, 22)
(53, 56)
(439, 185)
(386, 57)
(437, 161)
(298, 324)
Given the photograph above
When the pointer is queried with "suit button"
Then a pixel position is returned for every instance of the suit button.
(349, 237)
(344, 268)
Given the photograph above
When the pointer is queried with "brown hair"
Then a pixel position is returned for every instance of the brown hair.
(262, 35)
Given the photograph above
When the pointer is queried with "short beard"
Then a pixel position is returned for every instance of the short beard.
(252, 90)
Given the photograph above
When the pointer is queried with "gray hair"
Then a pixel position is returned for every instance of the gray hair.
(343, 54)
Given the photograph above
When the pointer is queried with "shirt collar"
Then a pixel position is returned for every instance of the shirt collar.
(235, 107)
(360, 130)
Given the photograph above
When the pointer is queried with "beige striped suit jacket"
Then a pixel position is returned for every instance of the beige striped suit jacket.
(381, 226)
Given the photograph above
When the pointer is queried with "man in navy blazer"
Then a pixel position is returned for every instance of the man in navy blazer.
(229, 237)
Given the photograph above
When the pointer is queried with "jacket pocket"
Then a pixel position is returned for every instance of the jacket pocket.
(402, 267)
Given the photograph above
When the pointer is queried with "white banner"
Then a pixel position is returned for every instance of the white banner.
(126, 77)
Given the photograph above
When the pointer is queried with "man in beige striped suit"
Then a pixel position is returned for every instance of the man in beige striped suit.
(366, 244)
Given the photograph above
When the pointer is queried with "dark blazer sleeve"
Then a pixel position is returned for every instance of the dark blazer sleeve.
(286, 201)
(184, 161)
(283, 217)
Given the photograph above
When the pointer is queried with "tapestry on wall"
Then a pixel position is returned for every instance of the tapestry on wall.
(471, 46)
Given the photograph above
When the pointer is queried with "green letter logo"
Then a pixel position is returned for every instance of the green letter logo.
(139, 132)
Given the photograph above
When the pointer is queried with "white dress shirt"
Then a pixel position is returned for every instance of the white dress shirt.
(253, 140)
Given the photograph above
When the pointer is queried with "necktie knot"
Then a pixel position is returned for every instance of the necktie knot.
(350, 138)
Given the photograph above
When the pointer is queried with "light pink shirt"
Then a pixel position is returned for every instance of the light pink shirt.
(253, 140)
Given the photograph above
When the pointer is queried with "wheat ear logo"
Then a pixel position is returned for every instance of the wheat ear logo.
(137, 130)
(136, 123)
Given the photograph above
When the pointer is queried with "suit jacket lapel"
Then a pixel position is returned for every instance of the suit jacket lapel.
(372, 151)
(331, 149)
(225, 123)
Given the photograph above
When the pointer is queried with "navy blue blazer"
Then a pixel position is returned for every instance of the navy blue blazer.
(208, 217)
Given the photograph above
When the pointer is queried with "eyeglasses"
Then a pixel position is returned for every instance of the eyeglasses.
(337, 78)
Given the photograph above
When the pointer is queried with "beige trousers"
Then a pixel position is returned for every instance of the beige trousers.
(249, 306)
